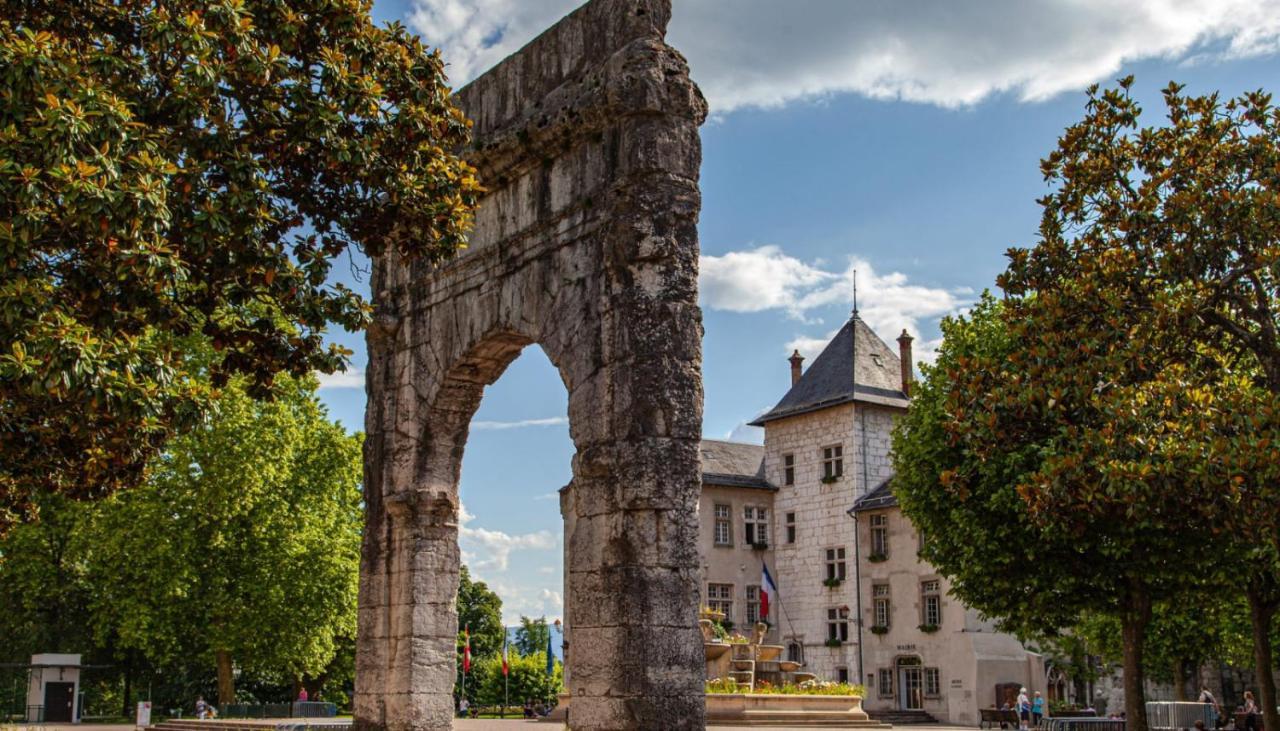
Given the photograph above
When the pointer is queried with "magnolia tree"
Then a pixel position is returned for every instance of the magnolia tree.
(1170, 236)
(1078, 441)
(194, 167)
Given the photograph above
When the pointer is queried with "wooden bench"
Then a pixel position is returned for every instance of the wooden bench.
(996, 715)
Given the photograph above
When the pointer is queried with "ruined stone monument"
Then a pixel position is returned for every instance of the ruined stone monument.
(585, 244)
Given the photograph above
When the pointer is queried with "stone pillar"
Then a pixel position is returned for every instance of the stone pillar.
(586, 244)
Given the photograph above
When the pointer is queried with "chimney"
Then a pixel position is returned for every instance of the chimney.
(796, 361)
(904, 356)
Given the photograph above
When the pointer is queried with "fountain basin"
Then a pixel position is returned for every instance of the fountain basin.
(800, 710)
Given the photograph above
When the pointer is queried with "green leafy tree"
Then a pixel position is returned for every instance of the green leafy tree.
(1206, 624)
(1170, 234)
(532, 636)
(527, 680)
(179, 167)
(480, 610)
(242, 548)
(45, 587)
(1042, 459)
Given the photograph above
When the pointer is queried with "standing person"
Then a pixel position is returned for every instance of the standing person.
(1215, 711)
(1024, 709)
(1037, 710)
(1250, 711)
(302, 695)
(462, 707)
(202, 708)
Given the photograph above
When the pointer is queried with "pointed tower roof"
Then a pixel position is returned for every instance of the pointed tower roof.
(855, 366)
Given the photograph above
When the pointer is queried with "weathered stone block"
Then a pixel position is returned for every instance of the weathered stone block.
(586, 244)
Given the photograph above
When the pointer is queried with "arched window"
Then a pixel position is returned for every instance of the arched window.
(795, 652)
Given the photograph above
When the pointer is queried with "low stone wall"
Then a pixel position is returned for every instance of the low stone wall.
(799, 710)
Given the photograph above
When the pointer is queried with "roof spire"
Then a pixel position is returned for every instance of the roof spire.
(855, 294)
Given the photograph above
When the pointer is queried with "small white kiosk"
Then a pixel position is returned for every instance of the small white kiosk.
(53, 689)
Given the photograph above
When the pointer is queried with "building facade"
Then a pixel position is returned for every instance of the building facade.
(815, 504)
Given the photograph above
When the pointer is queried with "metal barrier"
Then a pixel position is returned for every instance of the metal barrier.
(35, 714)
(1084, 724)
(297, 709)
(1172, 715)
(304, 726)
(314, 709)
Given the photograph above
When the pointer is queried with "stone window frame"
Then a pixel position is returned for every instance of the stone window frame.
(752, 603)
(838, 624)
(718, 599)
(791, 528)
(788, 469)
(879, 524)
(832, 461)
(835, 563)
(885, 686)
(723, 519)
(881, 605)
(755, 524)
(931, 602)
(796, 642)
(931, 683)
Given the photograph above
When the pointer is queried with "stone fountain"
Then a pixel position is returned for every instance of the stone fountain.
(748, 662)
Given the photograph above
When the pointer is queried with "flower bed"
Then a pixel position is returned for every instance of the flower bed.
(809, 687)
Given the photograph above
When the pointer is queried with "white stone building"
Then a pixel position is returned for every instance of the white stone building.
(815, 504)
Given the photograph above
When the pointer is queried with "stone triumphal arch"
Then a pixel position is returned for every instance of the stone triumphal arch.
(586, 244)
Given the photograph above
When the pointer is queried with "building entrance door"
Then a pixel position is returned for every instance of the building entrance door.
(910, 684)
(58, 699)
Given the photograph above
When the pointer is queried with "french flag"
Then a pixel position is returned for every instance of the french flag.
(768, 591)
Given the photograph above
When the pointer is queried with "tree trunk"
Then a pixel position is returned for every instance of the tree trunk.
(1261, 614)
(226, 682)
(1135, 615)
(126, 706)
(1180, 681)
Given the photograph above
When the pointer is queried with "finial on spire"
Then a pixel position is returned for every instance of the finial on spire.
(855, 293)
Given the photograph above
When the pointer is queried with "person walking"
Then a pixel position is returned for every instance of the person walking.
(1215, 710)
(1250, 711)
(202, 708)
(302, 695)
(1037, 710)
(1024, 709)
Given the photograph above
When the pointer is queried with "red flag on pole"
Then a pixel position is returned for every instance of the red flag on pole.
(466, 649)
(505, 666)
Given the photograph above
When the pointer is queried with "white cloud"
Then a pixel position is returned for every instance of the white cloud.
(490, 550)
(547, 496)
(766, 278)
(351, 378)
(759, 279)
(766, 53)
(521, 600)
(497, 425)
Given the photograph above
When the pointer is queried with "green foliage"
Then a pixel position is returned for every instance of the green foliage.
(45, 586)
(809, 687)
(248, 528)
(191, 167)
(528, 679)
(532, 635)
(1125, 394)
(481, 610)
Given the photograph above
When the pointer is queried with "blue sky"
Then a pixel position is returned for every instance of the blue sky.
(900, 139)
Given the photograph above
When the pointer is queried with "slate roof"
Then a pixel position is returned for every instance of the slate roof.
(881, 497)
(839, 375)
(733, 464)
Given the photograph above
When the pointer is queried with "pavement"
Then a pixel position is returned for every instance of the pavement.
(459, 724)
